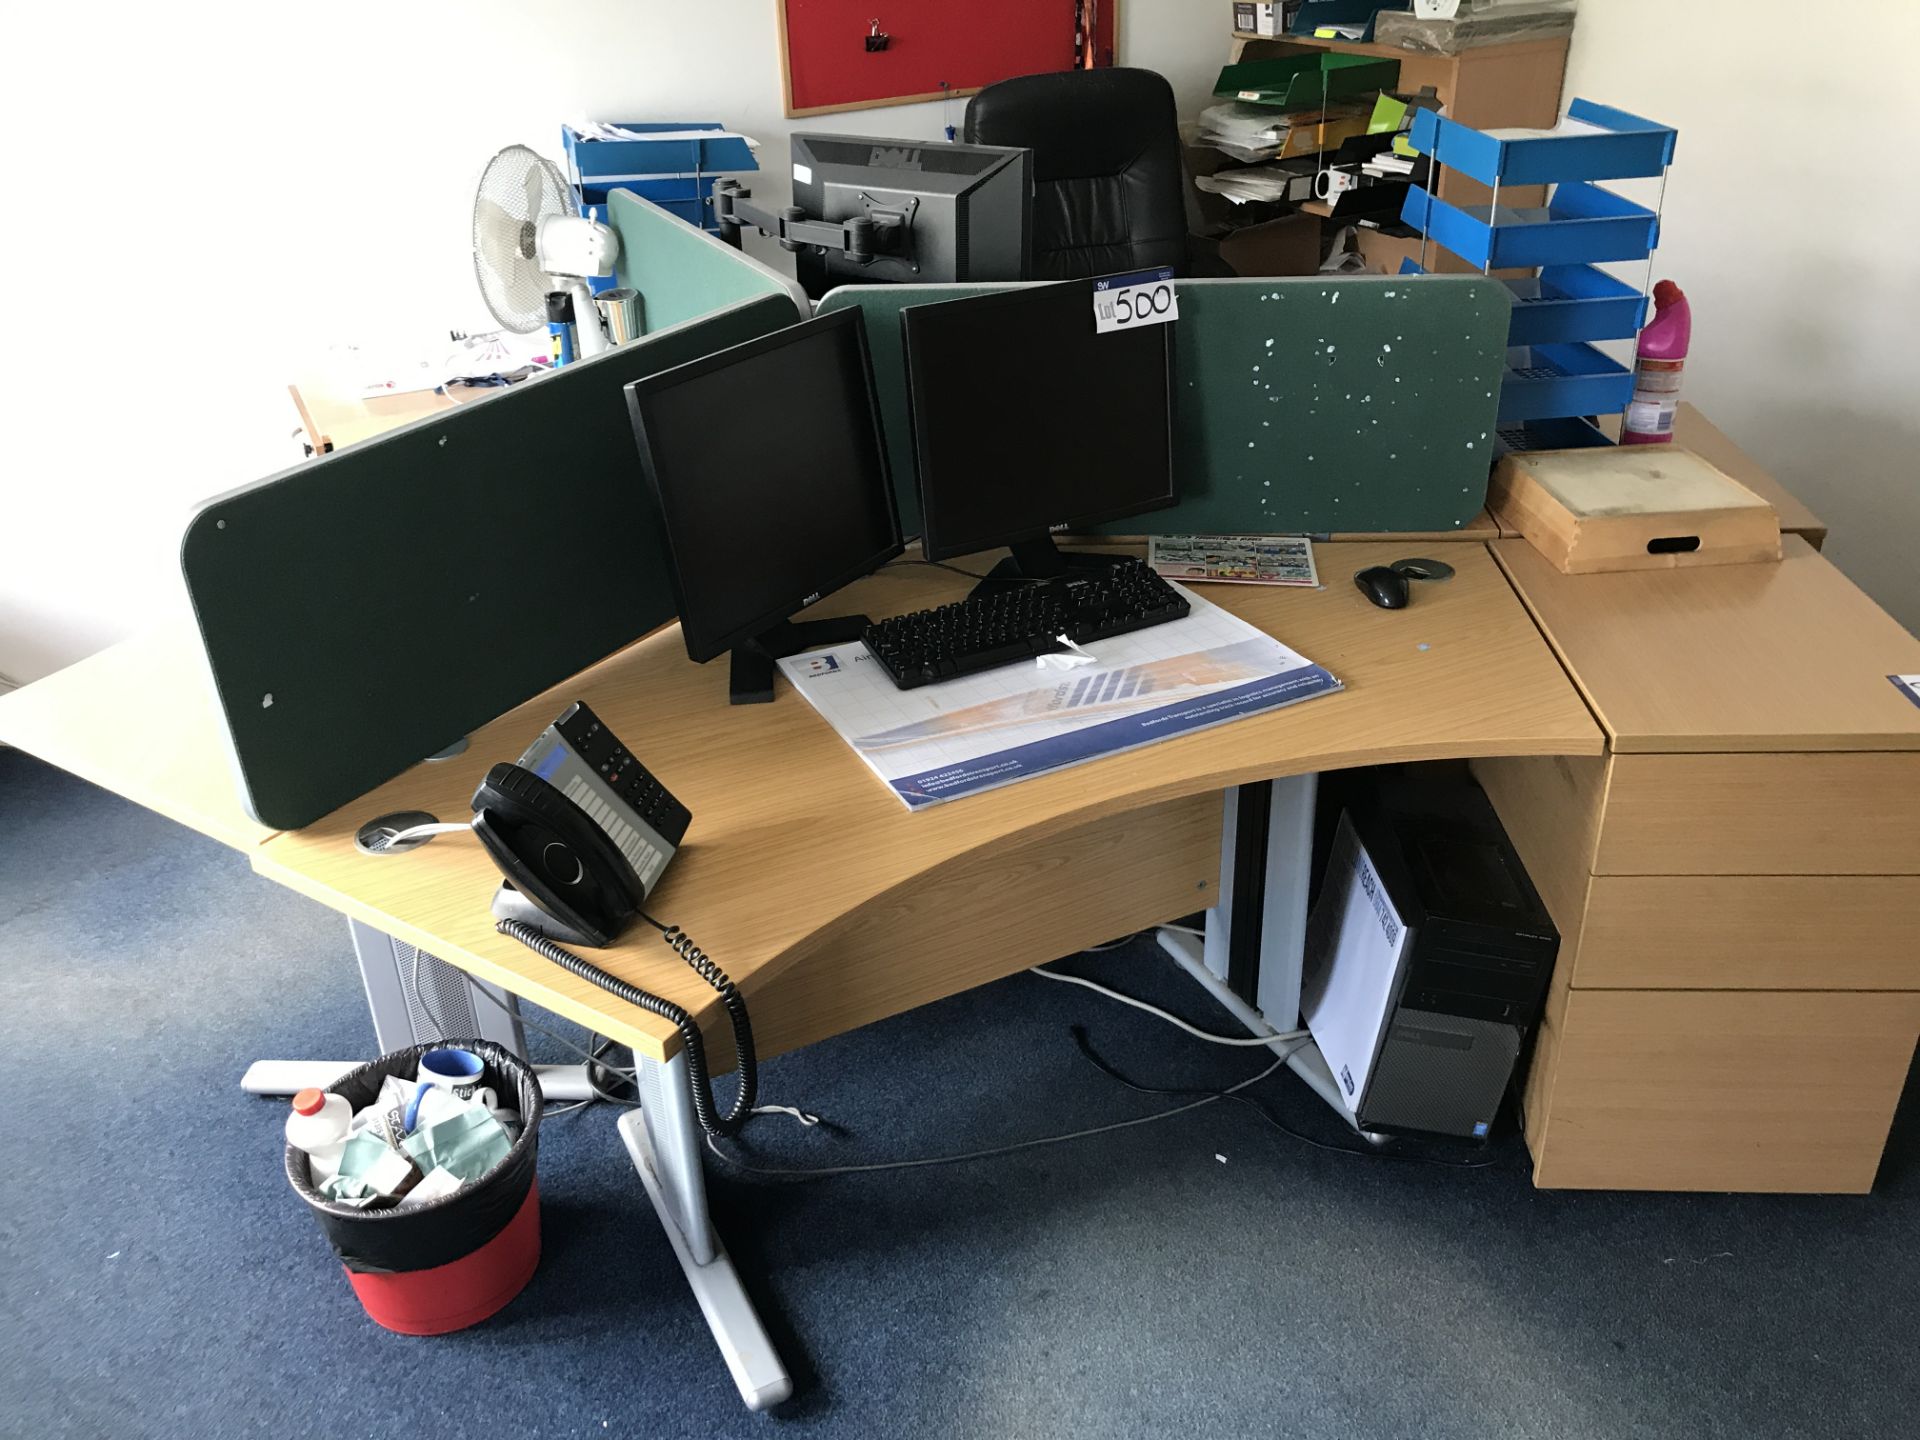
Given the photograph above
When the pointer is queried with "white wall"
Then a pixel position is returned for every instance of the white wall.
(1792, 234)
(284, 177)
(289, 176)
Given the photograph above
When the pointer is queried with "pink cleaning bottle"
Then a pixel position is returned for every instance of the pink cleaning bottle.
(1659, 358)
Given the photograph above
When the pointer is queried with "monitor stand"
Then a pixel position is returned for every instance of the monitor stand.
(1040, 560)
(751, 681)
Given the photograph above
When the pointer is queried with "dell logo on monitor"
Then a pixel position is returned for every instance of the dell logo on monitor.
(1059, 529)
(808, 600)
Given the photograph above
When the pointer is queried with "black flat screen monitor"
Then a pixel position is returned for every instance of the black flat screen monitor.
(1026, 422)
(773, 486)
(950, 212)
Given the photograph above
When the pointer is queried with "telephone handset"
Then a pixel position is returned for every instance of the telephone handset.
(555, 858)
(583, 832)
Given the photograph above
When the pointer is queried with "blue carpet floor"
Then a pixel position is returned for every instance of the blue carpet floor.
(1205, 1276)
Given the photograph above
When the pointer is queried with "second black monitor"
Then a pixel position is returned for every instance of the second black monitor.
(1027, 423)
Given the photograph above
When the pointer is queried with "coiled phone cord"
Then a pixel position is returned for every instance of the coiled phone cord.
(699, 1082)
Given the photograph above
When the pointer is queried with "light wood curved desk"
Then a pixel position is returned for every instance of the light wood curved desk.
(1730, 862)
(831, 905)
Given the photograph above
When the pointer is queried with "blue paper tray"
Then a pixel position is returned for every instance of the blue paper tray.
(1565, 303)
(1580, 225)
(1570, 432)
(676, 175)
(1549, 382)
(1619, 147)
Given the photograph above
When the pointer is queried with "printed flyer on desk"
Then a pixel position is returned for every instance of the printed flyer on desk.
(940, 742)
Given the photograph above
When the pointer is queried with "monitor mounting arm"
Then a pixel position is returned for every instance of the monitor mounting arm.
(860, 238)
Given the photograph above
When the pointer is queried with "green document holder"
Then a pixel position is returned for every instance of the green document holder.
(1300, 82)
(363, 611)
(1301, 406)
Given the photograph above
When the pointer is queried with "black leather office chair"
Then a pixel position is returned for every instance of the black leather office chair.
(1109, 194)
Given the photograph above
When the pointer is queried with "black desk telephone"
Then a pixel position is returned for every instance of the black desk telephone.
(583, 833)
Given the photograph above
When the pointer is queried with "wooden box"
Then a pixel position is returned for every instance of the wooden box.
(1631, 507)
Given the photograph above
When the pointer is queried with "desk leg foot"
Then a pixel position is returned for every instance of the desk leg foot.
(1303, 1060)
(663, 1139)
(284, 1077)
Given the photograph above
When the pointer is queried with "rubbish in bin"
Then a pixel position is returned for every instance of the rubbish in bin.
(437, 1186)
(370, 1171)
(469, 1144)
(319, 1125)
(388, 1112)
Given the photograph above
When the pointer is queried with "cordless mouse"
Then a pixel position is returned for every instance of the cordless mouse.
(1385, 587)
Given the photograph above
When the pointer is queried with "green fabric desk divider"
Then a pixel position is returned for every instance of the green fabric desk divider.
(1306, 405)
(362, 611)
(683, 272)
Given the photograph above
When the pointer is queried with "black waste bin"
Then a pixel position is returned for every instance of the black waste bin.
(449, 1263)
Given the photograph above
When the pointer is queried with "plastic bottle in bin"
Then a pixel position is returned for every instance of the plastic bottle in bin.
(319, 1125)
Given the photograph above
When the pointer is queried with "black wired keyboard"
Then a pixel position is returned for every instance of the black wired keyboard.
(1020, 622)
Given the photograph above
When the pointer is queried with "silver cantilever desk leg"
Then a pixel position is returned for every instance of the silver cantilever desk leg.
(663, 1137)
(1268, 850)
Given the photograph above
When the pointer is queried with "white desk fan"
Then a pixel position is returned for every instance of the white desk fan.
(528, 241)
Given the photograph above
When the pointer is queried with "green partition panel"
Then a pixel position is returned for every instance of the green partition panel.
(365, 610)
(681, 271)
(1305, 405)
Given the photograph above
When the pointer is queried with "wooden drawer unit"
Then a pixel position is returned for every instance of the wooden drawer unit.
(1774, 814)
(1749, 932)
(1736, 883)
(1693, 1090)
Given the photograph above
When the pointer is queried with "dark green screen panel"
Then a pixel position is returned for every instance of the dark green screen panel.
(1300, 406)
(363, 611)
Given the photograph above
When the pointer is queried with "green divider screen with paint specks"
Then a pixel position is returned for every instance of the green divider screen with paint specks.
(364, 610)
(1313, 405)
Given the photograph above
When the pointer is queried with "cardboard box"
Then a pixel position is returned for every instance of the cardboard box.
(1631, 507)
(1263, 19)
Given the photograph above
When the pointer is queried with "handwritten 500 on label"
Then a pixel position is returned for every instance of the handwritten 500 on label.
(1126, 302)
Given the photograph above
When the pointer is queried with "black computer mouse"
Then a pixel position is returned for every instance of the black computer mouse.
(1385, 587)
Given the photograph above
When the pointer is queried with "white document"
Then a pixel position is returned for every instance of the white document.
(1355, 939)
(959, 737)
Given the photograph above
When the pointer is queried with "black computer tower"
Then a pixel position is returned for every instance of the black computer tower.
(1428, 956)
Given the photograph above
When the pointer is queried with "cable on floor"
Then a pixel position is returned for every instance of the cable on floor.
(827, 1171)
(1232, 1092)
(1278, 1037)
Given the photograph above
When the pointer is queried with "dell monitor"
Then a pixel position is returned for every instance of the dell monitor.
(773, 486)
(1026, 423)
(943, 213)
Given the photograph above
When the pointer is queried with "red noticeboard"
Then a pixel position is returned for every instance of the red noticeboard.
(936, 48)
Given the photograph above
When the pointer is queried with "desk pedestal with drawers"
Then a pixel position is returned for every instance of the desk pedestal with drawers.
(1737, 882)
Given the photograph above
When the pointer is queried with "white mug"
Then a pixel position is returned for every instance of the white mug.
(459, 1072)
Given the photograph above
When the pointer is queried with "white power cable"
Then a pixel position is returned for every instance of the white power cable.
(1247, 1040)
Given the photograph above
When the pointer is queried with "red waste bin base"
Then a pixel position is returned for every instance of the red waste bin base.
(462, 1292)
